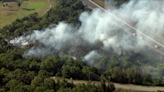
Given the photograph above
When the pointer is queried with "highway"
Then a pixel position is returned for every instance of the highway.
(148, 40)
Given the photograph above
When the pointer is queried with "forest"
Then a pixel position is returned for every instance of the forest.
(32, 74)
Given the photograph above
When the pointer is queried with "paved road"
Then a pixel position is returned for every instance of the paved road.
(131, 29)
(117, 85)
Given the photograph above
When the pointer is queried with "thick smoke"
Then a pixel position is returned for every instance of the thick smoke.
(92, 57)
(149, 15)
(100, 32)
(96, 26)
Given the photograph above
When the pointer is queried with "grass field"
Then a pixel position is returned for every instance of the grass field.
(99, 2)
(53, 2)
(11, 12)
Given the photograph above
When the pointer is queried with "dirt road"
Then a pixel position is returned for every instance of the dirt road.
(138, 87)
(126, 86)
(49, 7)
(117, 85)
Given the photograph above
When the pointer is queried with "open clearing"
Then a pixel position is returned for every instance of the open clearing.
(11, 12)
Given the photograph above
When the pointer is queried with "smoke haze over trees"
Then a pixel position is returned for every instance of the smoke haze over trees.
(93, 40)
(100, 32)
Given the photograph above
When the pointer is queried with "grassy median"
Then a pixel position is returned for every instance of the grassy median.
(100, 2)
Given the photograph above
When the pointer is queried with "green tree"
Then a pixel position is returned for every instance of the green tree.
(50, 90)
(52, 64)
(17, 32)
(37, 81)
(71, 71)
(103, 85)
(11, 84)
(19, 3)
(147, 80)
(29, 77)
(40, 89)
(21, 87)
(49, 83)
(18, 75)
(43, 74)
(110, 87)
(87, 71)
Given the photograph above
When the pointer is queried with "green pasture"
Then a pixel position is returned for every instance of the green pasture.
(27, 8)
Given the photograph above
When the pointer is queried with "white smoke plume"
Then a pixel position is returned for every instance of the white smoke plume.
(101, 32)
(92, 57)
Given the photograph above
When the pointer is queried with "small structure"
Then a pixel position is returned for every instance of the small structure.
(6, 4)
(3, 5)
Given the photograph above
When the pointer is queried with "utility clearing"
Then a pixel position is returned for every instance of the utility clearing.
(9, 10)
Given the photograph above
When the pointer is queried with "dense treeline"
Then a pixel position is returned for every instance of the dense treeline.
(125, 69)
(132, 68)
(33, 74)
